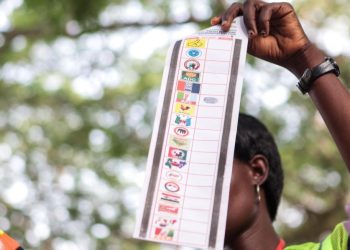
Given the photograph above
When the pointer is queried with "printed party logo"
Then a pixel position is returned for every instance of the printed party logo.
(190, 76)
(168, 209)
(194, 53)
(179, 142)
(175, 163)
(183, 108)
(173, 175)
(181, 131)
(186, 97)
(164, 228)
(183, 120)
(177, 153)
(172, 187)
(189, 86)
(192, 64)
(196, 43)
(170, 198)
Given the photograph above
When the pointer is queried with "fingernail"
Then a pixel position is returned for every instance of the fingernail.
(263, 33)
(250, 33)
(214, 20)
(224, 23)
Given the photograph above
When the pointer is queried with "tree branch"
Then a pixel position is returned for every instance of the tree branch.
(38, 33)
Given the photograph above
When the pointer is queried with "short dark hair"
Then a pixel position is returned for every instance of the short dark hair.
(253, 138)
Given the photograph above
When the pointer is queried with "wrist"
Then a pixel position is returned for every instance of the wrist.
(306, 58)
(312, 74)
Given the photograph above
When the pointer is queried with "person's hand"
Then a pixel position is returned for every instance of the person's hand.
(275, 33)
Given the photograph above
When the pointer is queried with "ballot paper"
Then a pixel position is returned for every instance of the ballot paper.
(189, 166)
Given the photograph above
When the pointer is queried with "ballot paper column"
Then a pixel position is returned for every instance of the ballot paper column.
(184, 201)
(195, 212)
(200, 188)
(177, 153)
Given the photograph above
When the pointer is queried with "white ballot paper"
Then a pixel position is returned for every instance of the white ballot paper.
(189, 165)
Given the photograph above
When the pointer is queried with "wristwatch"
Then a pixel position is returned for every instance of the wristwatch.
(310, 75)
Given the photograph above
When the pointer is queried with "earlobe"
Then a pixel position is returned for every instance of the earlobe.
(259, 169)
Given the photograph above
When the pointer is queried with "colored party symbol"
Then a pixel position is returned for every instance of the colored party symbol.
(192, 64)
(181, 131)
(172, 187)
(170, 163)
(168, 209)
(185, 97)
(190, 76)
(183, 120)
(179, 142)
(183, 108)
(196, 43)
(173, 175)
(188, 86)
(164, 229)
(171, 198)
(194, 53)
(177, 153)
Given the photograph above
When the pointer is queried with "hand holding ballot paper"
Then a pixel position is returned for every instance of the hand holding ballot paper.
(189, 197)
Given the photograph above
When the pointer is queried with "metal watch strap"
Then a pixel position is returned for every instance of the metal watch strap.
(310, 75)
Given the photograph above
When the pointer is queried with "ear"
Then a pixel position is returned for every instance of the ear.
(259, 169)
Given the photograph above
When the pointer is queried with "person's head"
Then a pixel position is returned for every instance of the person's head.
(256, 163)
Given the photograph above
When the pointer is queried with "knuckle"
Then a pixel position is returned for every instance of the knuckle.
(235, 4)
(288, 6)
(235, 7)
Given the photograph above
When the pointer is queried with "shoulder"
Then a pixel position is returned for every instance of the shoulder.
(337, 240)
(306, 246)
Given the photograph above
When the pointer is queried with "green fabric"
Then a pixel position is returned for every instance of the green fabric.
(337, 240)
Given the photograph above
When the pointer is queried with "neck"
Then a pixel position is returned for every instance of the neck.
(260, 235)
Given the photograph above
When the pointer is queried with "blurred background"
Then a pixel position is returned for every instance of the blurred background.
(79, 83)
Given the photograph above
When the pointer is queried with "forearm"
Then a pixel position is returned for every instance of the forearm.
(276, 35)
(331, 99)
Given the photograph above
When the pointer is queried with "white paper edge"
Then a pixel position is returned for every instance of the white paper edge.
(152, 145)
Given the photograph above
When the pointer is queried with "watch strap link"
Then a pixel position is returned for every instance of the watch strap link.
(310, 75)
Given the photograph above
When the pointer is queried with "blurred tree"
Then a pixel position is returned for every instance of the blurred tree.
(78, 89)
